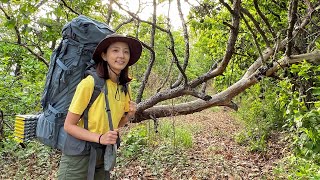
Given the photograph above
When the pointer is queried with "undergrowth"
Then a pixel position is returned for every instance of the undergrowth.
(296, 168)
(261, 115)
(158, 148)
(22, 161)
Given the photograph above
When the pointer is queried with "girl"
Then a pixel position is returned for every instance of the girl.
(113, 55)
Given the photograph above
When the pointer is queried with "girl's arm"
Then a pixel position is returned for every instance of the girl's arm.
(71, 127)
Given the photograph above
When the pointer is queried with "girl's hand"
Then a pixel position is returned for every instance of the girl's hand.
(132, 109)
(109, 138)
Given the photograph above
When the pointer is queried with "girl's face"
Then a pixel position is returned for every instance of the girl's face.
(117, 56)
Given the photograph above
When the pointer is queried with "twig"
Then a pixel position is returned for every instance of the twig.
(123, 23)
(178, 65)
(254, 37)
(137, 18)
(256, 24)
(227, 6)
(66, 5)
(167, 77)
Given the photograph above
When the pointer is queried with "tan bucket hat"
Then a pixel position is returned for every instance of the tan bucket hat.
(133, 43)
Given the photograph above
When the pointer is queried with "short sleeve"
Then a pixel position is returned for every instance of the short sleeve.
(82, 96)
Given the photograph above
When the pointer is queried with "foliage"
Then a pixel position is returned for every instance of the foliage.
(302, 113)
(134, 142)
(167, 134)
(22, 82)
(261, 114)
(155, 147)
(293, 168)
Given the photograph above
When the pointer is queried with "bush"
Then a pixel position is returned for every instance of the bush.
(261, 114)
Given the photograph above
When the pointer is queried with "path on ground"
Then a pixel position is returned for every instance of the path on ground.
(215, 154)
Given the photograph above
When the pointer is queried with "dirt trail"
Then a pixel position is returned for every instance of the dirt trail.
(215, 154)
(225, 158)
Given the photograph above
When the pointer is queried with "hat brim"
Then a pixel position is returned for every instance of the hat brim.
(134, 46)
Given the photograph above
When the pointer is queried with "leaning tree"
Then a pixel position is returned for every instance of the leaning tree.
(276, 45)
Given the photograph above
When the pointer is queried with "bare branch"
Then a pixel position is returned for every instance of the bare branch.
(137, 18)
(264, 18)
(35, 54)
(68, 7)
(220, 99)
(15, 26)
(152, 57)
(227, 24)
(292, 16)
(186, 45)
(313, 42)
(227, 6)
(254, 37)
(256, 24)
(176, 60)
(229, 49)
(200, 95)
(293, 59)
(110, 10)
(123, 23)
(178, 91)
(167, 77)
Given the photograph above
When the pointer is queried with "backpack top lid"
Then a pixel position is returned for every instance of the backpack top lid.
(133, 43)
(86, 30)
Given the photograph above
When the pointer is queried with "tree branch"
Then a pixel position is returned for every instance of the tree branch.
(110, 10)
(227, 6)
(167, 77)
(292, 16)
(176, 60)
(254, 37)
(15, 26)
(137, 18)
(256, 24)
(68, 7)
(219, 68)
(223, 98)
(123, 23)
(264, 18)
(35, 54)
(152, 57)
(186, 45)
(293, 59)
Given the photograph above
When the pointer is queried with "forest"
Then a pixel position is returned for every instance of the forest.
(225, 89)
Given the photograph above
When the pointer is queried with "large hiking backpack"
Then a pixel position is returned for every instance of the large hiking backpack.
(67, 68)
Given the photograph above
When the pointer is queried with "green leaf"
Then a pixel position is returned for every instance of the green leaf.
(10, 23)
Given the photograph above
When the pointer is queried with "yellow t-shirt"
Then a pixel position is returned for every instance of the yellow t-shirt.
(97, 115)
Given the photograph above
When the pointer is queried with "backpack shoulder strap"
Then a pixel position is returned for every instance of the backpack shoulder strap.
(98, 88)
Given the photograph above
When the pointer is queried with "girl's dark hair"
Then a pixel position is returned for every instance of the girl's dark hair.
(102, 71)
